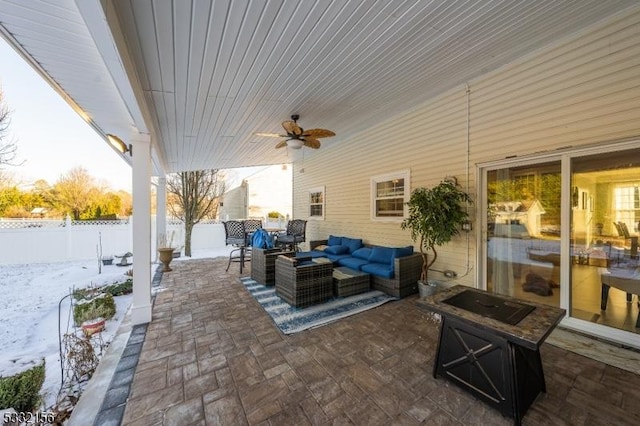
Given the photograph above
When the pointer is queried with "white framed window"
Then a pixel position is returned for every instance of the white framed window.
(316, 203)
(626, 204)
(389, 193)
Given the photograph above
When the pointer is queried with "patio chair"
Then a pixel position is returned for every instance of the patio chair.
(251, 226)
(263, 264)
(626, 279)
(301, 282)
(623, 231)
(234, 235)
(295, 234)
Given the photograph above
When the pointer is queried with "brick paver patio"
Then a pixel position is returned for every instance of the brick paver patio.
(212, 356)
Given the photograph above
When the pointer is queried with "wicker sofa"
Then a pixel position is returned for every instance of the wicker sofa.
(302, 282)
(394, 271)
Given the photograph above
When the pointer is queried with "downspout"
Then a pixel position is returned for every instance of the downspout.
(468, 137)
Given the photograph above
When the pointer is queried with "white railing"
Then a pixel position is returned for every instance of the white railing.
(30, 223)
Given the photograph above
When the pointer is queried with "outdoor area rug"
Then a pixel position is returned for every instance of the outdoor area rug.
(292, 320)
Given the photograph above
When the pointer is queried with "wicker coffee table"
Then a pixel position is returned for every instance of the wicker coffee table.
(347, 281)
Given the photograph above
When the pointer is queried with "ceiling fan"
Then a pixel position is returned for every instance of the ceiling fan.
(297, 137)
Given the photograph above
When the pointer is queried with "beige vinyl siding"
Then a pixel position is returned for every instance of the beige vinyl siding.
(580, 91)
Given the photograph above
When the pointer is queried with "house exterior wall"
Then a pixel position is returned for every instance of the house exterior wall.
(266, 190)
(234, 203)
(270, 191)
(580, 91)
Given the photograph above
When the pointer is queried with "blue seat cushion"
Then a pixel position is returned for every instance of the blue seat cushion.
(382, 255)
(352, 262)
(362, 253)
(337, 250)
(334, 241)
(336, 257)
(313, 254)
(379, 269)
(352, 243)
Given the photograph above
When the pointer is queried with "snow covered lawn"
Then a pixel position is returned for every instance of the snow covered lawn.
(30, 295)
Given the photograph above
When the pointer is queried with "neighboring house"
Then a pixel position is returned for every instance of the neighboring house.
(267, 190)
(270, 190)
(39, 212)
(527, 213)
(234, 203)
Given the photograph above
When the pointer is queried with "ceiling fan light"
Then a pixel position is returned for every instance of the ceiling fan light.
(295, 143)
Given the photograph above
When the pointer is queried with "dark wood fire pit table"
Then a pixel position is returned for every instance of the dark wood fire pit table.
(490, 345)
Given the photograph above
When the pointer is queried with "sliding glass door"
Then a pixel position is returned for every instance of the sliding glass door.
(523, 238)
(605, 215)
(564, 230)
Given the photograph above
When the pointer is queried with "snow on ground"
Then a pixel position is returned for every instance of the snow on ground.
(30, 296)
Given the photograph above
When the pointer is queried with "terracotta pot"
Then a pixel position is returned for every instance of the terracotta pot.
(91, 327)
(165, 256)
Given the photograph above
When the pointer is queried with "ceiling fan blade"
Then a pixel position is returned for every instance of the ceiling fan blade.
(281, 144)
(318, 133)
(270, 135)
(311, 143)
(292, 128)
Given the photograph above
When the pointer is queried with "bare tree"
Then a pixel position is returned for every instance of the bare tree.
(8, 148)
(193, 196)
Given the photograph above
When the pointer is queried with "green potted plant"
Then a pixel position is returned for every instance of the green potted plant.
(435, 216)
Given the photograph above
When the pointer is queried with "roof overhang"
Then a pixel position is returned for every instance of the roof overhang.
(201, 78)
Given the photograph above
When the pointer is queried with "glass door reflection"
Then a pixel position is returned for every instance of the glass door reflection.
(523, 223)
(605, 210)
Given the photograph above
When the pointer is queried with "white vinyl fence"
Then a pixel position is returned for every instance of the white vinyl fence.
(43, 241)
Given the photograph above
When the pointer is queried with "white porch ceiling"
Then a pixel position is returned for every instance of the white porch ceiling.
(206, 75)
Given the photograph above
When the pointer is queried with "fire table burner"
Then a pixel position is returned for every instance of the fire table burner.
(490, 306)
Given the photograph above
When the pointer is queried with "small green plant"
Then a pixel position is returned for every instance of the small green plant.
(22, 391)
(102, 306)
(115, 289)
(86, 293)
(274, 215)
(118, 289)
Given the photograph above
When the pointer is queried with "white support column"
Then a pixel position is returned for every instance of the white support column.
(161, 209)
(141, 305)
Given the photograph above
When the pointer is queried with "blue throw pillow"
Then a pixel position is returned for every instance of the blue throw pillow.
(334, 241)
(337, 250)
(353, 243)
(381, 255)
(402, 251)
(362, 253)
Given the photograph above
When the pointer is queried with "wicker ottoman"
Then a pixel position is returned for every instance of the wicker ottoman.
(347, 281)
(302, 283)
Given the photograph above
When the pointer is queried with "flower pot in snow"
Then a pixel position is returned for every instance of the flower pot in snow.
(91, 327)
